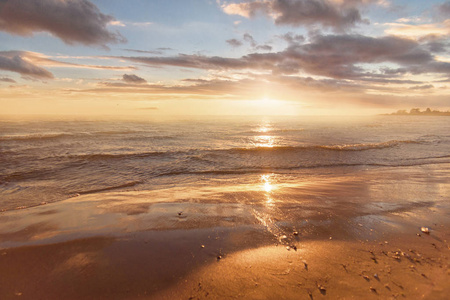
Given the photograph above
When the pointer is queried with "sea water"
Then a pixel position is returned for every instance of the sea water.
(43, 161)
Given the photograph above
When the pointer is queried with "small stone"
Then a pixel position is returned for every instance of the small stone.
(219, 257)
(180, 213)
(306, 265)
(366, 277)
(425, 230)
(373, 289)
(203, 246)
(376, 276)
(288, 248)
(295, 233)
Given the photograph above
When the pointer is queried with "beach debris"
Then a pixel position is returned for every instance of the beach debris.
(321, 288)
(425, 230)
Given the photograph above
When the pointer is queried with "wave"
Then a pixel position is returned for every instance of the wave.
(110, 188)
(344, 147)
(57, 135)
(100, 156)
(34, 136)
(258, 170)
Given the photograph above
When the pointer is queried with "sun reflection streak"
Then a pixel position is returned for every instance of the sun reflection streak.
(268, 187)
(264, 141)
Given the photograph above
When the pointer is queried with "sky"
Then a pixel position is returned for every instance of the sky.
(223, 57)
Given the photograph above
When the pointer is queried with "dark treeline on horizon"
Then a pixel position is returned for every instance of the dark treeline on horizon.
(416, 112)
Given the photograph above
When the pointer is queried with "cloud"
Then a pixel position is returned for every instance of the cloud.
(73, 21)
(419, 31)
(157, 52)
(133, 79)
(442, 11)
(264, 47)
(338, 15)
(15, 62)
(249, 39)
(334, 56)
(422, 87)
(6, 79)
(234, 43)
(292, 38)
(40, 59)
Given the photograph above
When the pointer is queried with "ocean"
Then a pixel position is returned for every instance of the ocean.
(53, 160)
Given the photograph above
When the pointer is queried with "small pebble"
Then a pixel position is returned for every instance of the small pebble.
(425, 230)
(295, 233)
(203, 246)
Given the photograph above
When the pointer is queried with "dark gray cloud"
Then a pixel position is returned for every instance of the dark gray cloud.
(339, 16)
(334, 56)
(234, 43)
(73, 21)
(264, 47)
(422, 87)
(133, 79)
(249, 39)
(442, 11)
(13, 62)
(292, 38)
(156, 52)
(6, 79)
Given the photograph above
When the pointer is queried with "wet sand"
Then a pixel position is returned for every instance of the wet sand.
(355, 234)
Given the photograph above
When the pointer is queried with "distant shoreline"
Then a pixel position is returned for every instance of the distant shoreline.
(417, 112)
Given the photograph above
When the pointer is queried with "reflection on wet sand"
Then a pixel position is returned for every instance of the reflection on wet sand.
(133, 244)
